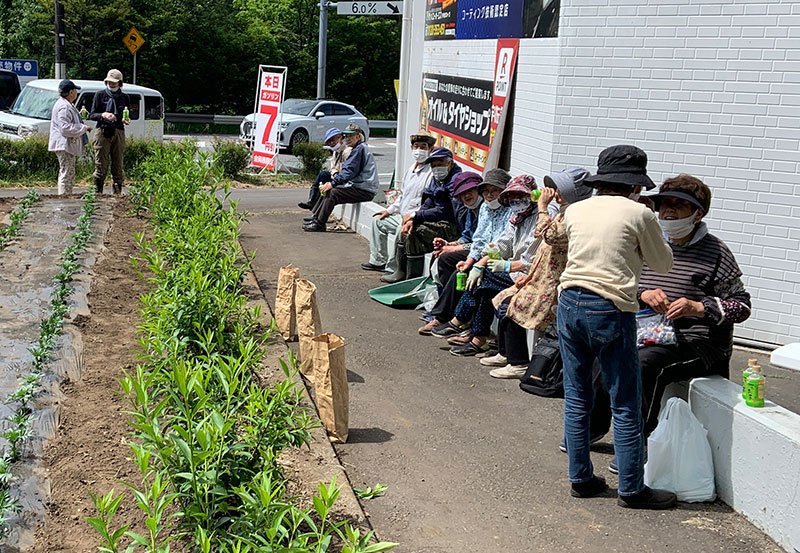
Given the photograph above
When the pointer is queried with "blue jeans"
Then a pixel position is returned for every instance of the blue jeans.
(589, 327)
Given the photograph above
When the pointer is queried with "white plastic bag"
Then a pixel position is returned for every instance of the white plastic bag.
(679, 455)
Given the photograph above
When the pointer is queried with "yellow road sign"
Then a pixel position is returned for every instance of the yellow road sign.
(133, 40)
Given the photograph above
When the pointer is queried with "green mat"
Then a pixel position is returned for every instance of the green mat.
(405, 293)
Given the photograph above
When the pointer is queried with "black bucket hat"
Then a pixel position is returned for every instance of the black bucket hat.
(621, 165)
(680, 194)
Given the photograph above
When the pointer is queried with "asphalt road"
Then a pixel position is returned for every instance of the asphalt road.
(471, 462)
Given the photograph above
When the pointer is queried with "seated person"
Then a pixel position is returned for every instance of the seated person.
(436, 217)
(356, 182)
(334, 142)
(492, 222)
(530, 303)
(515, 251)
(702, 295)
(386, 225)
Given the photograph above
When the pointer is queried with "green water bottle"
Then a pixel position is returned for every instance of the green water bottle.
(747, 372)
(493, 252)
(755, 388)
(126, 115)
(461, 281)
(84, 113)
(535, 195)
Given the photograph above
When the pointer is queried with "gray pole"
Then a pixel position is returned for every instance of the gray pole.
(134, 68)
(322, 58)
(61, 54)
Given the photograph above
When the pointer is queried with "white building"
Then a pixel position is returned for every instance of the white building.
(710, 88)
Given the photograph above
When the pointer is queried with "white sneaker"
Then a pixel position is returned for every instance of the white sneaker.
(509, 371)
(498, 360)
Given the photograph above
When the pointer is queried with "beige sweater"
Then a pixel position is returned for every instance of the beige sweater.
(610, 237)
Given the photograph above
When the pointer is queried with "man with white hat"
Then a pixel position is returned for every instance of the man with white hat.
(108, 108)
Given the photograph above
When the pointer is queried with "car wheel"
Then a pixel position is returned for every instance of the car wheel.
(298, 137)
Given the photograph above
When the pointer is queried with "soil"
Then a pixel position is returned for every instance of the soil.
(88, 453)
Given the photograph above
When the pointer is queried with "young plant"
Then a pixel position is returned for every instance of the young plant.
(371, 492)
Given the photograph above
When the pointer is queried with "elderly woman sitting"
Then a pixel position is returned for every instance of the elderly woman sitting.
(702, 296)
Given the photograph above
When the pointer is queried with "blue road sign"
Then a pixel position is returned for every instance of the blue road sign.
(23, 68)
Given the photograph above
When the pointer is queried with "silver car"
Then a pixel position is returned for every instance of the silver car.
(308, 121)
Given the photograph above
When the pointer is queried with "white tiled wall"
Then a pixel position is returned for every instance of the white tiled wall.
(708, 88)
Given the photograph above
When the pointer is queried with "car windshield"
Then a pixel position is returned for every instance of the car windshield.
(35, 102)
(298, 107)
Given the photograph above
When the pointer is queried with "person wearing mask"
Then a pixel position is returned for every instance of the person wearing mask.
(493, 219)
(108, 108)
(334, 143)
(437, 217)
(386, 224)
(67, 134)
(610, 238)
(530, 303)
(356, 182)
(702, 296)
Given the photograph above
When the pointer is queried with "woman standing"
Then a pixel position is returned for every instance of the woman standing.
(67, 134)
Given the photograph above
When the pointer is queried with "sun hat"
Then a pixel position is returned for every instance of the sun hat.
(423, 136)
(114, 76)
(439, 153)
(621, 165)
(331, 133)
(570, 183)
(353, 128)
(522, 183)
(66, 85)
(464, 181)
(498, 178)
(680, 194)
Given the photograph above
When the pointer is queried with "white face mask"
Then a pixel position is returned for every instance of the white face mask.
(494, 204)
(476, 205)
(419, 155)
(440, 173)
(678, 228)
(518, 206)
(113, 88)
(635, 196)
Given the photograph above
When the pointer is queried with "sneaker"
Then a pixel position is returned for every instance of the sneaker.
(461, 339)
(498, 360)
(448, 329)
(590, 488)
(648, 499)
(509, 371)
(467, 350)
(592, 440)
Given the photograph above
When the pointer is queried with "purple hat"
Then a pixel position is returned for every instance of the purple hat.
(464, 181)
(439, 153)
(522, 183)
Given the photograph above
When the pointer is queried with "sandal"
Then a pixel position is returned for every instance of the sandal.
(448, 329)
(468, 350)
(428, 328)
(461, 339)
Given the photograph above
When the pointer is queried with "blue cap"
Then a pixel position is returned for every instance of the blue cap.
(439, 153)
(331, 133)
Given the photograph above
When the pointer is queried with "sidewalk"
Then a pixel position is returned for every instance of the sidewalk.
(472, 463)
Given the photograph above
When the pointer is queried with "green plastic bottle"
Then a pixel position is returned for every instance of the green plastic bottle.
(493, 252)
(535, 195)
(755, 388)
(747, 372)
(84, 113)
(126, 115)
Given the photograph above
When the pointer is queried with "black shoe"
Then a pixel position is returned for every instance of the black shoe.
(590, 488)
(117, 189)
(468, 350)
(308, 219)
(98, 185)
(373, 267)
(649, 499)
(314, 226)
(306, 205)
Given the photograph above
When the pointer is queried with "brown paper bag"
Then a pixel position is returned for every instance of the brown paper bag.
(330, 383)
(308, 324)
(284, 302)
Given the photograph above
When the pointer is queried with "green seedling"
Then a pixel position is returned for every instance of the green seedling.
(371, 492)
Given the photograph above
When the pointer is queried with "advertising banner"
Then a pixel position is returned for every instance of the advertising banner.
(492, 19)
(504, 61)
(271, 86)
(458, 112)
(440, 19)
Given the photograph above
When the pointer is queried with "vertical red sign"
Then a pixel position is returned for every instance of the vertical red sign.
(505, 61)
(265, 144)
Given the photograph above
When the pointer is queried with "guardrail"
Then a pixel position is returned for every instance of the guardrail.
(209, 119)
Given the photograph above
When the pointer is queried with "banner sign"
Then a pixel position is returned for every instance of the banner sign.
(271, 86)
(457, 111)
(492, 19)
(440, 19)
(505, 60)
(23, 68)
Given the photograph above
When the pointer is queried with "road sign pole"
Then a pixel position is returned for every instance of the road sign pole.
(322, 57)
(134, 68)
(61, 54)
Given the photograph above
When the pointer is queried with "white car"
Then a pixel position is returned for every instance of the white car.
(308, 121)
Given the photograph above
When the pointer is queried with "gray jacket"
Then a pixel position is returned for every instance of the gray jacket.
(359, 170)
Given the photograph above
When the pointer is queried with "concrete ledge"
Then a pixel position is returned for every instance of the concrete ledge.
(358, 216)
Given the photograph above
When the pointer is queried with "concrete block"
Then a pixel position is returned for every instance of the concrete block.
(787, 356)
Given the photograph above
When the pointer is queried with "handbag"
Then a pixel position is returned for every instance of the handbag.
(544, 376)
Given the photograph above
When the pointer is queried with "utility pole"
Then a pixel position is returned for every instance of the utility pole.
(322, 57)
(61, 50)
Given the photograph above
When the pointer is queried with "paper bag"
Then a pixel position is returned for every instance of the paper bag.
(330, 383)
(308, 324)
(284, 302)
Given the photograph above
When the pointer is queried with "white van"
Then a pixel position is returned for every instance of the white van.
(32, 109)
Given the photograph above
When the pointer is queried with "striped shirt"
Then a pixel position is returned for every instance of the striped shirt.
(706, 271)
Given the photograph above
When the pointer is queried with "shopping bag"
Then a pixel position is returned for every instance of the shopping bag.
(284, 302)
(679, 455)
(308, 324)
(654, 329)
(330, 384)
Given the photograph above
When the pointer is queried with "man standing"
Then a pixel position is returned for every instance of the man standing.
(386, 224)
(67, 134)
(108, 108)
